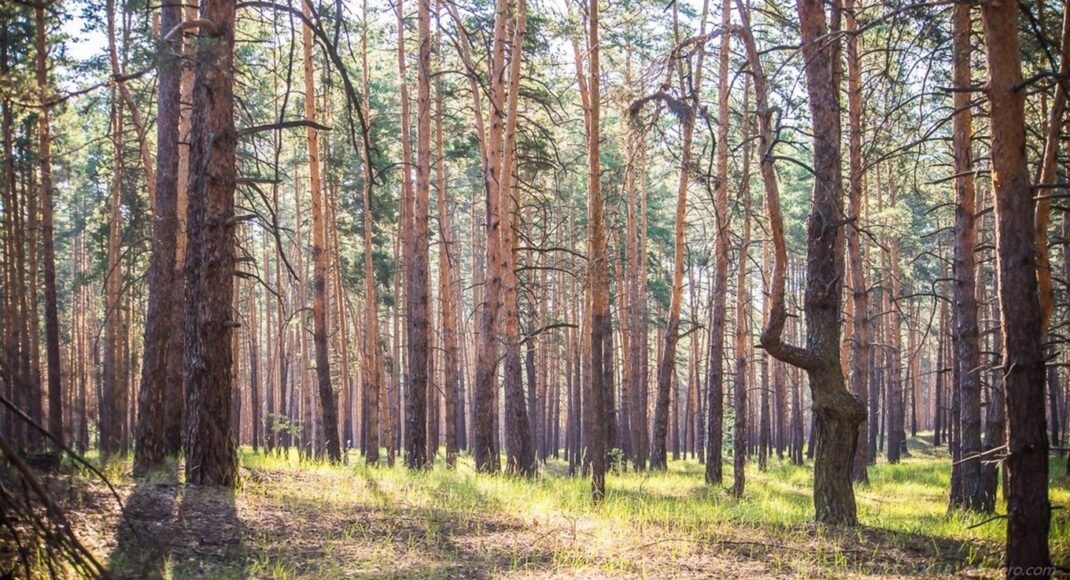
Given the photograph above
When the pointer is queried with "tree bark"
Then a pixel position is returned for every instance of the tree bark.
(598, 267)
(837, 413)
(966, 491)
(327, 399)
(210, 453)
(1028, 509)
(859, 291)
(667, 362)
(719, 289)
(151, 448)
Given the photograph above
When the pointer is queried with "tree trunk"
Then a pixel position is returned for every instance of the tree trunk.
(210, 454)
(373, 370)
(598, 267)
(966, 491)
(667, 362)
(48, 244)
(740, 430)
(837, 413)
(159, 321)
(451, 361)
(1028, 509)
(327, 399)
(859, 291)
(719, 289)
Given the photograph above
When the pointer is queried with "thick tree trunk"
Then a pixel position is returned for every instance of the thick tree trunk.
(210, 453)
(1028, 509)
(837, 414)
(151, 448)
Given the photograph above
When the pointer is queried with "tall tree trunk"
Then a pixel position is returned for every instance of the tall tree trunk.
(150, 449)
(896, 385)
(373, 371)
(1028, 509)
(112, 394)
(416, 289)
(598, 266)
(451, 360)
(740, 429)
(859, 291)
(328, 402)
(966, 488)
(837, 413)
(48, 243)
(210, 453)
(175, 397)
(719, 290)
(667, 362)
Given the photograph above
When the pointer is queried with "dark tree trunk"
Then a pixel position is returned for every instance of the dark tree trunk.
(48, 243)
(1028, 509)
(837, 414)
(151, 447)
(969, 492)
(210, 453)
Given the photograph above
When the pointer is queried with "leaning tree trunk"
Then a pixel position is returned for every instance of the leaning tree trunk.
(210, 454)
(1028, 509)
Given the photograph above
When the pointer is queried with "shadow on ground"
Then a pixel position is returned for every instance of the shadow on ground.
(171, 529)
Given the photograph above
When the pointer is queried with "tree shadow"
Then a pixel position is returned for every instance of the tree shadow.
(143, 539)
(171, 529)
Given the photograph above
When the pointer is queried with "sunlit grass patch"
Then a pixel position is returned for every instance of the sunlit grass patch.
(308, 518)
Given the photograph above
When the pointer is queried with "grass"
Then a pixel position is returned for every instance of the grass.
(295, 518)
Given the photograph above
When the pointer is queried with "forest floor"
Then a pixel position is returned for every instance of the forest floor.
(305, 519)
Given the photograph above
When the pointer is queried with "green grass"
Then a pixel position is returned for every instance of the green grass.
(299, 518)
